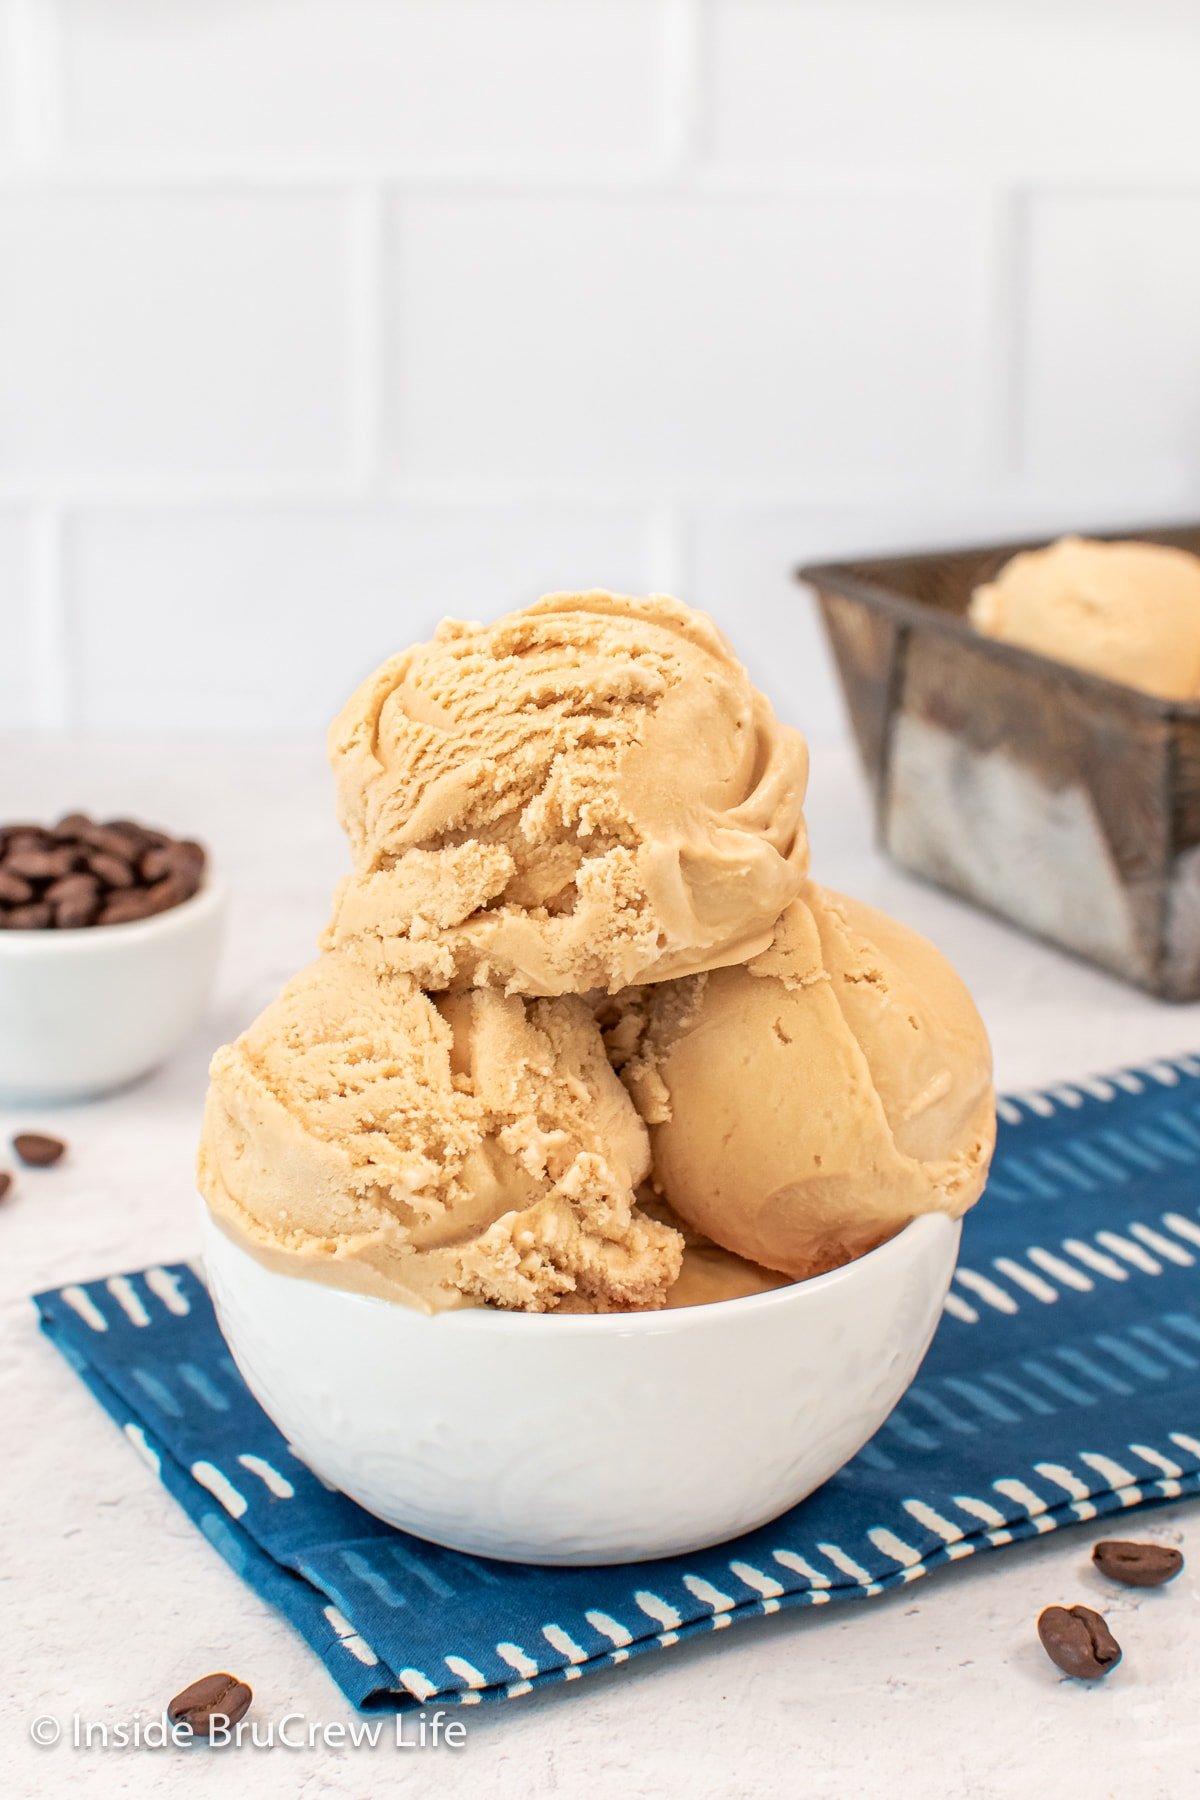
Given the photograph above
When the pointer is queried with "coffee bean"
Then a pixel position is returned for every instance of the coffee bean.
(27, 837)
(184, 860)
(42, 865)
(77, 910)
(136, 838)
(73, 915)
(71, 887)
(112, 870)
(14, 889)
(71, 824)
(29, 918)
(132, 848)
(1137, 1565)
(105, 840)
(5, 1182)
(166, 894)
(126, 908)
(1078, 1641)
(37, 1151)
(212, 1698)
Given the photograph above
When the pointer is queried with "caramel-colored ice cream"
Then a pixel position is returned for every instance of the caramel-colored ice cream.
(807, 1105)
(707, 1273)
(466, 1150)
(582, 819)
(587, 794)
(1127, 611)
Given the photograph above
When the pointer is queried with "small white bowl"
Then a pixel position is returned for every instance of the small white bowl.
(583, 1438)
(82, 1012)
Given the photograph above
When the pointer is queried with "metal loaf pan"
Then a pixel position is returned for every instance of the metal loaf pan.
(1063, 802)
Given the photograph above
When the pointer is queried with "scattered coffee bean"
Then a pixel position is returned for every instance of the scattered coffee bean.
(36, 1150)
(1137, 1565)
(1078, 1641)
(84, 873)
(211, 1699)
(5, 1182)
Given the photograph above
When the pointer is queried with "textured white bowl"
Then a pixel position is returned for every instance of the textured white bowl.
(85, 1011)
(584, 1439)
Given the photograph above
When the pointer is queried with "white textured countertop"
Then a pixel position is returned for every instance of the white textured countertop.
(113, 1600)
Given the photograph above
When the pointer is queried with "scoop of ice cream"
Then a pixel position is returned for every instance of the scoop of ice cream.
(806, 1106)
(474, 1150)
(1127, 611)
(707, 1273)
(587, 794)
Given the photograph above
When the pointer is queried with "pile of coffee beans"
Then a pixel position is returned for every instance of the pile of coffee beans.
(1076, 1638)
(84, 872)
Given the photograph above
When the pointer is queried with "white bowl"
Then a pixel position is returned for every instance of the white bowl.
(584, 1439)
(85, 1011)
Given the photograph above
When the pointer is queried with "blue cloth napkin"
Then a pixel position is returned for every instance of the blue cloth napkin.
(1063, 1384)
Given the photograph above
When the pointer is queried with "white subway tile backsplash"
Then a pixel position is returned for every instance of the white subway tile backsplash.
(1113, 350)
(368, 310)
(19, 685)
(265, 620)
(464, 83)
(672, 340)
(194, 337)
(1026, 90)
